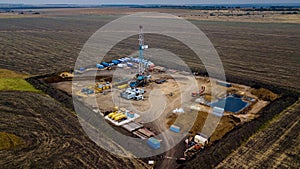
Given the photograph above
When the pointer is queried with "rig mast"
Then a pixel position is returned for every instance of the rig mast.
(142, 46)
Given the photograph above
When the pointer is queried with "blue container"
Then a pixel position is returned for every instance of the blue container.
(133, 84)
(115, 62)
(153, 143)
(129, 64)
(140, 77)
(130, 114)
(175, 129)
(90, 92)
(99, 66)
(105, 64)
(82, 69)
(84, 89)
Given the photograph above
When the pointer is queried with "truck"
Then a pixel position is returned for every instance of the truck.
(194, 144)
(87, 91)
(132, 93)
(138, 97)
(199, 93)
(160, 81)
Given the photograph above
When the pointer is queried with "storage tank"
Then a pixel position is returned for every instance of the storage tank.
(130, 114)
(82, 69)
(129, 64)
(121, 65)
(99, 66)
(115, 62)
(127, 59)
(105, 64)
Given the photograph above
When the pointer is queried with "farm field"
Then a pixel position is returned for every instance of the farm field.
(49, 130)
(52, 44)
(276, 145)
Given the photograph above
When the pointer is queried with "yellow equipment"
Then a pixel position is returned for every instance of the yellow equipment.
(66, 74)
(116, 108)
(120, 117)
(111, 114)
(100, 87)
(115, 115)
(98, 90)
(122, 86)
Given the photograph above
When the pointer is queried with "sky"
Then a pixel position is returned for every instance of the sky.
(174, 2)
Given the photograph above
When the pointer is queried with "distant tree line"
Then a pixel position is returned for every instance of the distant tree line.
(218, 7)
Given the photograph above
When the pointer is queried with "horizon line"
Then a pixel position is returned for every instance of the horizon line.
(258, 3)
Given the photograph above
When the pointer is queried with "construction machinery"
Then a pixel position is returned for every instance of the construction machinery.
(199, 93)
(160, 81)
(100, 87)
(194, 144)
(66, 75)
(87, 91)
(138, 97)
(133, 93)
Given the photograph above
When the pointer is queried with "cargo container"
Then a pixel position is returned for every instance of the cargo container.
(217, 111)
(130, 114)
(153, 143)
(99, 66)
(115, 62)
(105, 64)
(175, 129)
(82, 69)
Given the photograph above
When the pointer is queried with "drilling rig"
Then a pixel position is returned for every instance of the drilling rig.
(141, 77)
